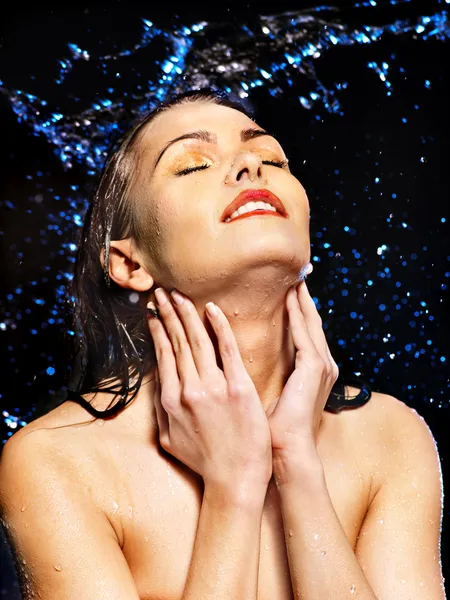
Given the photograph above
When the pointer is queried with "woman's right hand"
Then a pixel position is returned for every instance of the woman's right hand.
(211, 420)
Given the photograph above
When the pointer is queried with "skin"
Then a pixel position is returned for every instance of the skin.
(247, 266)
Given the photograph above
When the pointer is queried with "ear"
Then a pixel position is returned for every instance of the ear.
(125, 267)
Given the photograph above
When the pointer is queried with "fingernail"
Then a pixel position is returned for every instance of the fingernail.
(152, 310)
(161, 296)
(309, 269)
(177, 297)
(211, 309)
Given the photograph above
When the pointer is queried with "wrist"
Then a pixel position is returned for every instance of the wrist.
(240, 493)
(297, 468)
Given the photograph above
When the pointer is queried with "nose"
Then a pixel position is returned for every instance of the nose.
(246, 165)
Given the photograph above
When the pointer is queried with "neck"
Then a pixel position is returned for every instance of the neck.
(265, 344)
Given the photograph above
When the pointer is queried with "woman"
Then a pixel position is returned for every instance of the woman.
(226, 468)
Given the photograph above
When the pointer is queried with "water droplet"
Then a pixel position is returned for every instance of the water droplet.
(316, 536)
(323, 553)
(146, 539)
(185, 508)
(23, 508)
(130, 511)
(236, 312)
(116, 507)
(266, 547)
(381, 521)
(24, 561)
(57, 567)
(251, 359)
(403, 581)
(100, 422)
(352, 589)
(291, 533)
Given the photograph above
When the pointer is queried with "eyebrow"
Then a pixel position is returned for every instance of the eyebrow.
(211, 138)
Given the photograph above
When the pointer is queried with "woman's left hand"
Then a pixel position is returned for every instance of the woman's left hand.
(294, 423)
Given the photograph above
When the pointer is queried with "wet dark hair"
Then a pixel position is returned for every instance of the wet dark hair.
(113, 348)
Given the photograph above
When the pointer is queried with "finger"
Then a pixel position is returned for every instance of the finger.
(299, 329)
(187, 369)
(167, 366)
(233, 365)
(313, 321)
(199, 341)
(161, 415)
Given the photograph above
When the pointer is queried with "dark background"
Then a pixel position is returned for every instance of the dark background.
(394, 331)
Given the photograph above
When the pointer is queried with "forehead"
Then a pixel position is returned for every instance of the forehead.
(225, 121)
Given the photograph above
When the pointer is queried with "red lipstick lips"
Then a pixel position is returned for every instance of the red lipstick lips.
(253, 195)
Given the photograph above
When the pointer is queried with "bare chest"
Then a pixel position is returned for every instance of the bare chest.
(156, 511)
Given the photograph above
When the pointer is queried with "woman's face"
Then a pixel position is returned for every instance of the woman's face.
(189, 246)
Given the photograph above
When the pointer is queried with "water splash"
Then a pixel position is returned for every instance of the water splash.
(207, 54)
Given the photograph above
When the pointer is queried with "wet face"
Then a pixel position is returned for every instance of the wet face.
(181, 192)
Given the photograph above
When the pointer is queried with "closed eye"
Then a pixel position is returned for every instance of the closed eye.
(192, 169)
(274, 163)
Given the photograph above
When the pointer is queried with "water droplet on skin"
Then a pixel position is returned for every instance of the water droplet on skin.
(57, 567)
(381, 521)
(146, 539)
(236, 312)
(323, 553)
(352, 589)
(100, 422)
(251, 359)
(291, 533)
(116, 507)
(316, 536)
(130, 510)
(266, 547)
(403, 581)
(23, 508)
(185, 508)
(24, 562)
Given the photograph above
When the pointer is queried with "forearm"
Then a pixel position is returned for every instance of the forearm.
(225, 558)
(321, 560)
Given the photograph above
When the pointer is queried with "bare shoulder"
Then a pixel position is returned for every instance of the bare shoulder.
(42, 446)
(45, 498)
(384, 413)
(60, 442)
(53, 435)
(387, 427)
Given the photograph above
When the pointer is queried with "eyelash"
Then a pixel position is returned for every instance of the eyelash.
(274, 163)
